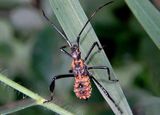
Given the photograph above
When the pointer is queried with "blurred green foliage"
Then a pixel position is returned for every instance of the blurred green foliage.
(31, 57)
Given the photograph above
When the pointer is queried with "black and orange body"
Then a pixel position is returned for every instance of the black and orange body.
(82, 87)
(79, 70)
(82, 84)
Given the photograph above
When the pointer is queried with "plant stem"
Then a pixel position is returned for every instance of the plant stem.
(38, 99)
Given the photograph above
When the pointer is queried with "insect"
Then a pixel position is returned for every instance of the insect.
(79, 69)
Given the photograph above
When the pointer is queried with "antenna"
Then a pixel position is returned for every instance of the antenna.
(54, 26)
(93, 14)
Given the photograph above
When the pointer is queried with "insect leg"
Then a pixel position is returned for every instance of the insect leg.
(106, 93)
(91, 49)
(64, 51)
(52, 85)
(70, 71)
(106, 68)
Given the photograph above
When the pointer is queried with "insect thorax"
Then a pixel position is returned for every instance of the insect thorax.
(79, 68)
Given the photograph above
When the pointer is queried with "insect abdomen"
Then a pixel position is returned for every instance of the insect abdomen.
(82, 87)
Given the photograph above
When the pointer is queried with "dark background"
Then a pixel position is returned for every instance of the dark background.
(30, 55)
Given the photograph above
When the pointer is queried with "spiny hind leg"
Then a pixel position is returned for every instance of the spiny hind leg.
(52, 85)
(107, 94)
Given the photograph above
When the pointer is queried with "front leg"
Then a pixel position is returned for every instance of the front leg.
(91, 49)
(64, 51)
(52, 85)
(105, 68)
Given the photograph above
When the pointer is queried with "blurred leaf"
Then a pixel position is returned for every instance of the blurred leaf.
(148, 16)
(12, 3)
(5, 51)
(72, 18)
(152, 65)
(43, 53)
(126, 78)
(147, 106)
(143, 102)
(6, 31)
(26, 19)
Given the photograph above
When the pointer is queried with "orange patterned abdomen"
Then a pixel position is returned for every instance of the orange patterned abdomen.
(82, 87)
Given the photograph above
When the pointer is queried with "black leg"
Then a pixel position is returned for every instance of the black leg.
(52, 85)
(70, 71)
(106, 93)
(89, 52)
(64, 51)
(103, 67)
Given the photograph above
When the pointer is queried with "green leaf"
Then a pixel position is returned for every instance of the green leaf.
(72, 18)
(148, 16)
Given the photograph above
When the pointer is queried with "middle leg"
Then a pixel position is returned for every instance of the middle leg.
(105, 68)
(91, 49)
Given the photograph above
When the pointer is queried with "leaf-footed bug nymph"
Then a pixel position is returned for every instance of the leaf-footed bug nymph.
(79, 69)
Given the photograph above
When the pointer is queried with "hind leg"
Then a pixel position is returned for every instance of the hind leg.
(52, 85)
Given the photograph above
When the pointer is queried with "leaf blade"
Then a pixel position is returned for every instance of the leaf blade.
(148, 16)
